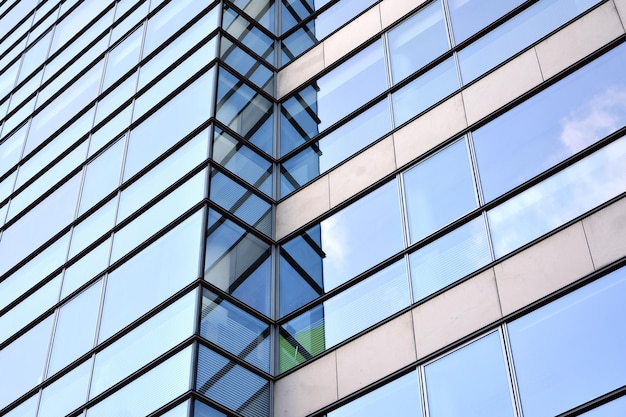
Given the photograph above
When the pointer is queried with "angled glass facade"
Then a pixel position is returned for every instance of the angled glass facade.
(255, 208)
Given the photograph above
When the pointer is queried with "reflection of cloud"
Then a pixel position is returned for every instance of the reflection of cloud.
(601, 115)
(334, 243)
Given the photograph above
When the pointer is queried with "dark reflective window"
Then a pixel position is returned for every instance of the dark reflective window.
(417, 41)
(247, 66)
(439, 190)
(262, 11)
(248, 34)
(553, 125)
(571, 350)
(471, 381)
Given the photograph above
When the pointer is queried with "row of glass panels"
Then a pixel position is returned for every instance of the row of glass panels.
(421, 41)
(507, 152)
(553, 359)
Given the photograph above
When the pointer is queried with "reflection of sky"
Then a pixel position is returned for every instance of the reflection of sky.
(559, 199)
(361, 235)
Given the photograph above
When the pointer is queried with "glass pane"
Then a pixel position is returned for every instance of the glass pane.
(151, 276)
(75, 328)
(439, 190)
(584, 185)
(417, 41)
(571, 350)
(87, 267)
(449, 258)
(144, 344)
(469, 16)
(553, 125)
(150, 391)
(614, 408)
(27, 408)
(67, 393)
(471, 381)
(398, 398)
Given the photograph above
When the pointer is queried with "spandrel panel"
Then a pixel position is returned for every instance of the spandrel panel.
(242, 161)
(144, 344)
(122, 57)
(516, 34)
(449, 258)
(583, 185)
(163, 175)
(177, 118)
(38, 224)
(424, 91)
(439, 190)
(232, 385)
(11, 148)
(23, 362)
(115, 99)
(159, 215)
(566, 118)
(150, 391)
(121, 27)
(238, 262)
(169, 20)
(75, 328)
(468, 17)
(93, 227)
(242, 202)
(471, 381)
(151, 276)
(233, 329)
(400, 397)
(33, 271)
(571, 350)
(87, 267)
(66, 393)
(23, 313)
(322, 155)
(417, 41)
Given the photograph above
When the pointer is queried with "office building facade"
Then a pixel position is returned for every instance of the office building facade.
(294, 208)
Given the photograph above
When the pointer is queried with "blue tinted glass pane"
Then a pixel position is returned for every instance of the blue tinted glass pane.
(417, 41)
(553, 125)
(398, 398)
(471, 381)
(584, 185)
(424, 91)
(516, 34)
(439, 190)
(572, 350)
(469, 16)
(449, 258)
(337, 15)
(66, 393)
(296, 286)
(203, 410)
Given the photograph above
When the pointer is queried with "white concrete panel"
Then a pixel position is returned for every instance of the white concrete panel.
(362, 171)
(457, 312)
(579, 39)
(501, 86)
(393, 10)
(606, 233)
(375, 355)
(301, 70)
(351, 36)
(308, 389)
(429, 130)
(543, 268)
(302, 207)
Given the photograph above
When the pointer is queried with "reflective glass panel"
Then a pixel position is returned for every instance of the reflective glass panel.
(66, 393)
(471, 381)
(614, 408)
(469, 16)
(571, 350)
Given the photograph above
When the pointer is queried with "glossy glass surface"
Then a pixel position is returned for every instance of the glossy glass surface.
(235, 330)
(417, 41)
(238, 262)
(449, 258)
(571, 350)
(19, 376)
(400, 397)
(566, 118)
(247, 66)
(248, 34)
(123, 57)
(232, 385)
(261, 11)
(65, 394)
(102, 175)
(87, 267)
(426, 90)
(471, 381)
(516, 34)
(28, 408)
(75, 328)
(150, 391)
(614, 408)
(203, 410)
(469, 16)
(151, 276)
(439, 190)
(144, 344)
(584, 185)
